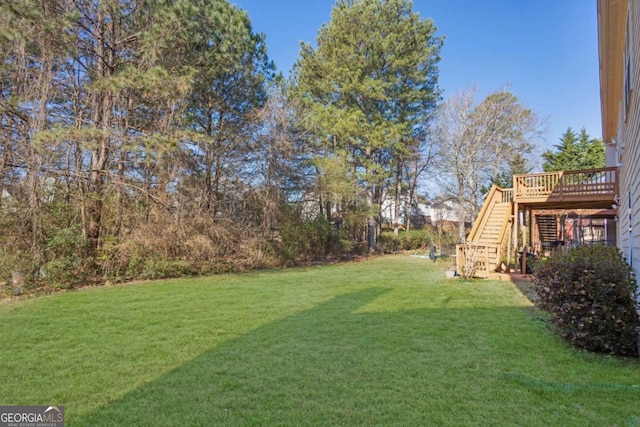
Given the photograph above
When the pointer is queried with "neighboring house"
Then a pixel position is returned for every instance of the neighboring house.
(440, 211)
(619, 51)
(434, 213)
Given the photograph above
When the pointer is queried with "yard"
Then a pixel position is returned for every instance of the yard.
(387, 341)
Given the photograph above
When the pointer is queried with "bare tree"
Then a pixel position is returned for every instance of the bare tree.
(419, 161)
(476, 141)
(278, 153)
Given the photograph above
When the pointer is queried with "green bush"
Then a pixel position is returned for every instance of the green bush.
(165, 269)
(309, 238)
(405, 241)
(589, 292)
(416, 240)
(68, 267)
(64, 273)
(388, 242)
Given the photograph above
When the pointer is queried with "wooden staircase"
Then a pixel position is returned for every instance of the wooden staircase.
(547, 228)
(547, 232)
(486, 243)
(490, 233)
(490, 236)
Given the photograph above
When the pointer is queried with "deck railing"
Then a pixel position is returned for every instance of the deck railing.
(507, 195)
(564, 185)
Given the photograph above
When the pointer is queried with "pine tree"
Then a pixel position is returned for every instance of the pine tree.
(593, 151)
(519, 165)
(575, 151)
(368, 86)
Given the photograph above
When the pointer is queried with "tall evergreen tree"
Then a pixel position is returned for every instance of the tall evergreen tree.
(594, 153)
(574, 152)
(230, 70)
(115, 117)
(518, 165)
(368, 87)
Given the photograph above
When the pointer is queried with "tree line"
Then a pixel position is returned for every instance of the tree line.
(150, 139)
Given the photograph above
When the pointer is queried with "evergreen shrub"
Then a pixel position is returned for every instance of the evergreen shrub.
(165, 269)
(589, 292)
(68, 266)
(404, 241)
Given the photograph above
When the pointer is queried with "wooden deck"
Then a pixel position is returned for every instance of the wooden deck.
(570, 188)
(495, 232)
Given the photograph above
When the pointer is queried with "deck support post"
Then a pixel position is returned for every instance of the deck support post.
(509, 240)
(525, 240)
(515, 231)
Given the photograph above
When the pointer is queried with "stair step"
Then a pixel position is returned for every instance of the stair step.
(547, 228)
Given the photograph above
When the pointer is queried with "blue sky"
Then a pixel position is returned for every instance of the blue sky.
(544, 50)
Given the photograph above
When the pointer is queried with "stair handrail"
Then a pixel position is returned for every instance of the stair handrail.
(490, 200)
(503, 244)
(503, 227)
(507, 195)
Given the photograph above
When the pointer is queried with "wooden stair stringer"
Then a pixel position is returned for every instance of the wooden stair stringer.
(490, 230)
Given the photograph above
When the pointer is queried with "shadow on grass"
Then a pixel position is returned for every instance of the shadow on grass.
(528, 288)
(332, 366)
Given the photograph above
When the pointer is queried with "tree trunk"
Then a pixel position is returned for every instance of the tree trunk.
(371, 220)
(105, 54)
(3, 167)
(371, 215)
(371, 233)
(461, 214)
(398, 191)
(413, 184)
(33, 183)
(94, 197)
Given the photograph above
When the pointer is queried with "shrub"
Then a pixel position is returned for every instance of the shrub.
(468, 265)
(388, 243)
(68, 266)
(303, 238)
(589, 291)
(165, 269)
(405, 241)
(416, 239)
(64, 273)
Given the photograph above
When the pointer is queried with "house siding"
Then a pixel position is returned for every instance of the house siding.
(611, 157)
(628, 141)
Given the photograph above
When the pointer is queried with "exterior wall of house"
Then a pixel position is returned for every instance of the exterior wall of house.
(627, 142)
(619, 50)
(611, 158)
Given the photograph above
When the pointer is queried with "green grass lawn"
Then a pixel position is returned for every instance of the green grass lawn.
(384, 342)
